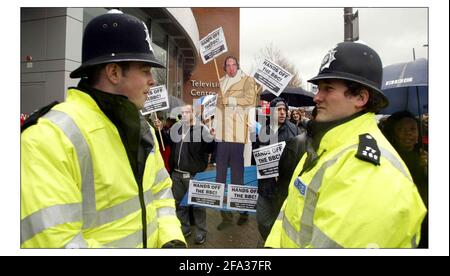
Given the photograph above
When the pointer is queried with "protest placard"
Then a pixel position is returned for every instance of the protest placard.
(272, 77)
(242, 198)
(213, 45)
(209, 106)
(205, 193)
(267, 159)
(157, 99)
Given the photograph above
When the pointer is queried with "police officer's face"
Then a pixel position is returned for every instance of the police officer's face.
(231, 67)
(136, 82)
(332, 103)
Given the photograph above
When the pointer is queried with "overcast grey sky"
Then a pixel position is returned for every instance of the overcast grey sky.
(304, 35)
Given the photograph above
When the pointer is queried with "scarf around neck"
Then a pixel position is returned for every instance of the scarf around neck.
(228, 81)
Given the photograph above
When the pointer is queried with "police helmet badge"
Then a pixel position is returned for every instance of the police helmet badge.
(328, 58)
(147, 37)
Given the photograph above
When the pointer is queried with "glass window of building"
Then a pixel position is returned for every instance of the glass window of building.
(159, 74)
(159, 44)
(180, 76)
(172, 69)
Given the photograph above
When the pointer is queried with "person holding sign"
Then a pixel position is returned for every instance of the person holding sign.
(269, 199)
(91, 172)
(351, 189)
(190, 148)
(238, 95)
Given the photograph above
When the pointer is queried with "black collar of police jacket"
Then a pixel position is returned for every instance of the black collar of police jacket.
(128, 121)
(316, 130)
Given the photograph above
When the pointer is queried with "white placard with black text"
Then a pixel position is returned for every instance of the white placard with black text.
(205, 193)
(209, 106)
(267, 159)
(157, 99)
(242, 198)
(272, 77)
(213, 45)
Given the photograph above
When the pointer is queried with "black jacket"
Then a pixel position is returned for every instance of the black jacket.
(292, 153)
(191, 153)
(268, 187)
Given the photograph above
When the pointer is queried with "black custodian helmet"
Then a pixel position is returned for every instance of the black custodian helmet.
(354, 62)
(115, 37)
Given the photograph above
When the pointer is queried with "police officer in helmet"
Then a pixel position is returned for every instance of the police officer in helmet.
(351, 189)
(91, 171)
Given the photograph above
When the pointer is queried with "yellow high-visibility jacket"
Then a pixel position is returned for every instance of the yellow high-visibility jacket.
(347, 202)
(78, 188)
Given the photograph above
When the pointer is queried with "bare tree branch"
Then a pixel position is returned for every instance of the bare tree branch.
(274, 54)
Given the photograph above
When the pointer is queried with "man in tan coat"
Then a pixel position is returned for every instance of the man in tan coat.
(238, 95)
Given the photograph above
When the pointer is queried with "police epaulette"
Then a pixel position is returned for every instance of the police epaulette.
(34, 117)
(368, 149)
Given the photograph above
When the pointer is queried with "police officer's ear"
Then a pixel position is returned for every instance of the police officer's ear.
(362, 98)
(113, 72)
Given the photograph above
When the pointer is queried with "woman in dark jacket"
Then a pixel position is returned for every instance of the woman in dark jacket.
(296, 117)
(402, 131)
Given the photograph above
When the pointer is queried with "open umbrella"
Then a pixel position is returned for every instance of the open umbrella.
(406, 87)
(294, 96)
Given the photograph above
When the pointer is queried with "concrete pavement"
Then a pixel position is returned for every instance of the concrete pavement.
(236, 236)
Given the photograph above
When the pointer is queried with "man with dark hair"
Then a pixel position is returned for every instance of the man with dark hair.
(269, 198)
(91, 172)
(351, 189)
(402, 130)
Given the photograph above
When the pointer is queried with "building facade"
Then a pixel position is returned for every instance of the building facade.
(51, 40)
(203, 80)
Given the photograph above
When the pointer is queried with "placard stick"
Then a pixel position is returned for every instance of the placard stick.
(160, 135)
(217, 72)
(220, 87)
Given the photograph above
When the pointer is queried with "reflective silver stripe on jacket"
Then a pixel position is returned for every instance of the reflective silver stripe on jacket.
(310, 233)
(121, 210)
(290, 230)
(280, 215)
(321, 240)
(413, 242)
(166, 211)
(164, 194)
(135, 239)
(87, 213)
(395, 162)
(71, 130)
(161, 175)
(77, 242)
(48, 217)
(307, 224)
